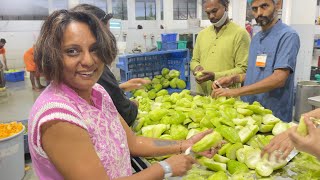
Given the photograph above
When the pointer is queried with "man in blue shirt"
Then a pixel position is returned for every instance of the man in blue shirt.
(271, 65)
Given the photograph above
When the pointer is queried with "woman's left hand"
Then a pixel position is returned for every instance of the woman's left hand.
(135, 83)
(197, 137)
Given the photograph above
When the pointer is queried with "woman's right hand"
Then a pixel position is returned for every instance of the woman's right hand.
(180, 164)
(280, 144)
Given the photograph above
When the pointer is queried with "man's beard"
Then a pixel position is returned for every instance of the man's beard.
(265, 20)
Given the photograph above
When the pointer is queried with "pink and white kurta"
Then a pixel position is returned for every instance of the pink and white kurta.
(100, 121)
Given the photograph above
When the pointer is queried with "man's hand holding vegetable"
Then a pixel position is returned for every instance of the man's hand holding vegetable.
(201, 75)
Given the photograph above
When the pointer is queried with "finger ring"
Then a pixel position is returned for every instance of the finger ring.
(279, 152)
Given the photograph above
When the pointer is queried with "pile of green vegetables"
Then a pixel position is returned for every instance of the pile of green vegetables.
(167, 79)
(246, 128)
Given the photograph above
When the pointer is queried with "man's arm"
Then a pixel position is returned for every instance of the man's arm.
(276, 80)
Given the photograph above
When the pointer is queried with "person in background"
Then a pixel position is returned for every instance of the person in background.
(31, 67)
(74, 129)
(249, 28)
(272, 61)
(3, 64)
(220, 49)
(127, 109)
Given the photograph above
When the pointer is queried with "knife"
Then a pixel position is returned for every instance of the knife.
(189, 152)
(292, 154)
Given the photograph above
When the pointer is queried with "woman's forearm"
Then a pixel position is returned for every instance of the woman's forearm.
(157, 147)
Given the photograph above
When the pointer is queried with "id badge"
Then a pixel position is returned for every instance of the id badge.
(261, 60)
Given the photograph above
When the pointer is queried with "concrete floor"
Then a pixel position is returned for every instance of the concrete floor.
(15, 104)
(16, 101)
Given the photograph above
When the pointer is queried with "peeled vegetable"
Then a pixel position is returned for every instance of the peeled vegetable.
(198, 74)
(228, 133)
(279, 128)
(302, 127)
(212, 165)
(264, 168)
(220, 175)
(236, 167)
(154, 131)
(212, 139)
(219, 158)
(231, 151)
(252, 158)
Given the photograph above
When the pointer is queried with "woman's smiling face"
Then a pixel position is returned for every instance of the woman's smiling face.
(81, 66)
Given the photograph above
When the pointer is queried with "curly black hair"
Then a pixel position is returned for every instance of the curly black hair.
(3, 41)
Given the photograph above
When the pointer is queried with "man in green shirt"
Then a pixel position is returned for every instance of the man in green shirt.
(221, 49)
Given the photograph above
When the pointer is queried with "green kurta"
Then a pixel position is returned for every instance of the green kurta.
(225, 53)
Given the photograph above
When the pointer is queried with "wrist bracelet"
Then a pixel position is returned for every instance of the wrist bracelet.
(180, 147)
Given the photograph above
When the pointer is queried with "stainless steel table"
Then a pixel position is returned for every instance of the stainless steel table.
(314, 101)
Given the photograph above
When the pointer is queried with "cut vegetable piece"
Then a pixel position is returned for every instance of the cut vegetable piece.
(210, 140)
(270, 119)
(212, 165)
(202, 172)
(219, 158)
(245, 112)
(276, 164)
(231, 151)
(302, 127)
(237, 167)
(262, 140)
(247, 132)
(252, 158)
(221, 175)
(192, 132)
(241, 155)
(279, 128)
(266, 128)
(193, 177)
(223, 149)
(241, 122)
(228, 133)
(264, 168)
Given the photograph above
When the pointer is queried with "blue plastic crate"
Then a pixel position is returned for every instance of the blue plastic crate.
(150, 64)
(169, 37)
(318, 42)
(169, 46)
(14, 76)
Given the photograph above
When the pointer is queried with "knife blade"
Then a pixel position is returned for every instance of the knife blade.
(189, 152)
(292, 154)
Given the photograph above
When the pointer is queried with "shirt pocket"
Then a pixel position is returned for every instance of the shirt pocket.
(270, 60)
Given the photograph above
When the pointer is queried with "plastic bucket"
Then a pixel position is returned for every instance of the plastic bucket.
(12, 157)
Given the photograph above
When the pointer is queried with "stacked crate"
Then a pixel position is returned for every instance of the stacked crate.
(169, 42)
